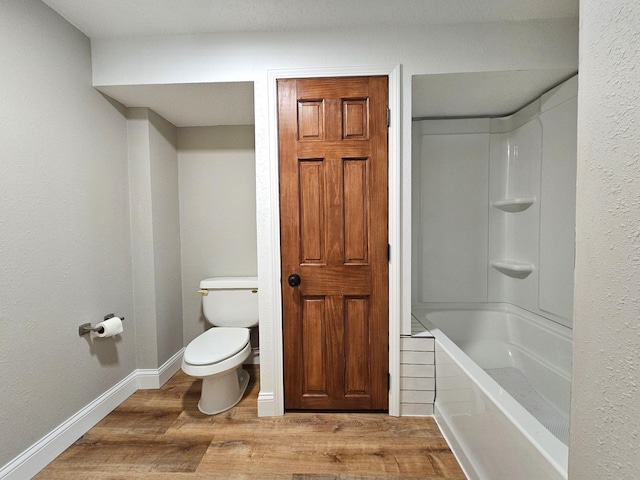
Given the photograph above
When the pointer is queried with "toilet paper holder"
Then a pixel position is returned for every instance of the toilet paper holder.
(87, 327)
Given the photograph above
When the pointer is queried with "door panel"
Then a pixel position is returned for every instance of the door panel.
(357, 331)
(355, 223)
(312, 201)
(334, 222)
(356, 119)
(313, 314)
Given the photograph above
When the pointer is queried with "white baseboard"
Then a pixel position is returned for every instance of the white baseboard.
(149, 378)
(267, 405)
(41, 453)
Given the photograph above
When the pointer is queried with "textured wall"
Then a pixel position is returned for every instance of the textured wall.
(155, 224)
(217, 211)
(65, 244)
(163, 146)
(142, 236)
(605, 442)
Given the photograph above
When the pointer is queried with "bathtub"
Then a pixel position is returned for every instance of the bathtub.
(503, 390)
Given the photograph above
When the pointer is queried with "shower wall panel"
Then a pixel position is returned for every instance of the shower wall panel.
(450, 216)
(494, 207)
(557, 203)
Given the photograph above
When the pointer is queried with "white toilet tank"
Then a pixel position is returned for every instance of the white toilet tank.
(231, 301)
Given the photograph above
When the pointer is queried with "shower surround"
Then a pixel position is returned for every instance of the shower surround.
(493, 230)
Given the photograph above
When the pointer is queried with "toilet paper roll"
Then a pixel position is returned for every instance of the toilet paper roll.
(109, 328)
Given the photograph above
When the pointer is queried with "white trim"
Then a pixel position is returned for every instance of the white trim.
(395, 239)
(45, 450)
(267, 404)
(149, 378)
(41, 453)
(271, 403)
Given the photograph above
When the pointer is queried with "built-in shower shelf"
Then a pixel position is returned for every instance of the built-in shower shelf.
(512, 205)
(513, 268)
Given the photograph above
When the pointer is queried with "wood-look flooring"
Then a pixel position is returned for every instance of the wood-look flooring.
(160, 434)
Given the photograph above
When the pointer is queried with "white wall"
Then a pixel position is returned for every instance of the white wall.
(606, 377)
(217, 211)
(249, 57)
(65, 244)
(246, 56)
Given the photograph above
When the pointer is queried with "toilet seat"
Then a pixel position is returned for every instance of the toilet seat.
(216, 345)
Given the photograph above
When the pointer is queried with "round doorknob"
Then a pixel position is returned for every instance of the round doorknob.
(294, 280)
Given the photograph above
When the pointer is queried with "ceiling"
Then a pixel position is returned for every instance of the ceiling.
(481, 94)
(185, 105)
(191, 104)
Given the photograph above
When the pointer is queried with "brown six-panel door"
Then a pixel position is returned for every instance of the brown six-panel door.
(334, 223)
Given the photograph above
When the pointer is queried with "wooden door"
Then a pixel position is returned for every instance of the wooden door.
(334, 224)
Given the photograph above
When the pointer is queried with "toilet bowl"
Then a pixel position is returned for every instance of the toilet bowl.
(216, 356)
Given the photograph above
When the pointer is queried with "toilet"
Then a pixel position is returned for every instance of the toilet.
(216, 356)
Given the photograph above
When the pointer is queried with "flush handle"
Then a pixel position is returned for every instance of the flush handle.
(294, 279)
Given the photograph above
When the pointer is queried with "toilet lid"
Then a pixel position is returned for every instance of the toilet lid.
(215, 345)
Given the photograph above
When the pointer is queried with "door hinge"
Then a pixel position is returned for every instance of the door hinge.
(388, 252)
(388, 382)
(388, 117)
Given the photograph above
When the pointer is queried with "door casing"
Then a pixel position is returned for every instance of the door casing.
(271, 396)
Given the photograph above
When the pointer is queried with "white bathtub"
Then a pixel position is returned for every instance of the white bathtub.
(493, 435)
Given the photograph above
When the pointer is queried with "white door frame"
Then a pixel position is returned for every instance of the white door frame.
(271, 397)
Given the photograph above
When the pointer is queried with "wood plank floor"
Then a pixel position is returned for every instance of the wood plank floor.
(160, 434)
